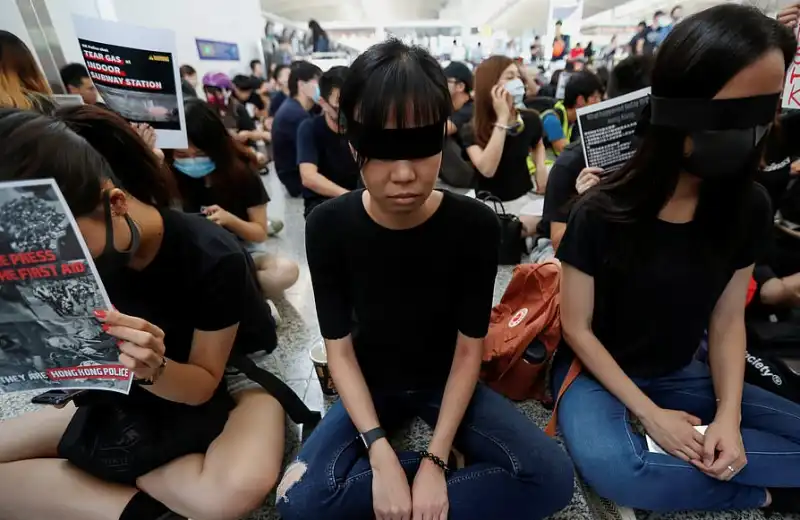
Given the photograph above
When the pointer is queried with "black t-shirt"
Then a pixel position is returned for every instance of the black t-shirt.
(561, 186)
(512, 179)
(783, 146)
(401, 293)
(200, 279)
(461, 118)
(276, 99)
(651, 315)
(199, 193)
(319, 145)
(284, 136)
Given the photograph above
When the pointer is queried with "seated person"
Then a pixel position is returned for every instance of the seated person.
(217, 177)
(304, 93)
(164, 271)
(397, 364)
(657, 254)
(583, 88)
(457, 170)
(501, 137)
(188, 81)
(281, 93)
(77, 81)
(459, 81)
(247, 91)
(326, 163)
(219, 89)
(630, 75)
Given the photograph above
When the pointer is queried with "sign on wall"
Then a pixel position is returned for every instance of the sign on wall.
(214, 50)
(134, 70)
(791, 89)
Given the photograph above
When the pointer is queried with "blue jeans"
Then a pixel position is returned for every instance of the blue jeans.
(614, 460)
(513, 470)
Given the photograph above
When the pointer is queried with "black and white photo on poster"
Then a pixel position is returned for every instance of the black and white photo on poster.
(134, 70)
(49, 290)
(608, 129)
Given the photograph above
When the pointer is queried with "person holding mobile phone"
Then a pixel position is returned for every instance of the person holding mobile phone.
(217, 176)
(662, 251)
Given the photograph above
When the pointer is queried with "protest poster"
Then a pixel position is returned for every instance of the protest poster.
(135, 72)
(49, 290)
(791, 87)
(607, 129)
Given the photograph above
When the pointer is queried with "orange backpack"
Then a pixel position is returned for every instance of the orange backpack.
(528, 311)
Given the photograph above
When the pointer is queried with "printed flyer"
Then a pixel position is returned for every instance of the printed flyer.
(135, 72)
(49, 289)
(608, 129)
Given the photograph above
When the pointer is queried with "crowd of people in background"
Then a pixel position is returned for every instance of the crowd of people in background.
(666, 269)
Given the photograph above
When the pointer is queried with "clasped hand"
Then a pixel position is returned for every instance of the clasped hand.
(394, 499)
(719, 453)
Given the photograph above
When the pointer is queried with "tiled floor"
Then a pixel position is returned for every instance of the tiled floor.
(298, 331)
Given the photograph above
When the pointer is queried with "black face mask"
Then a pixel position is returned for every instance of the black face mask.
(723, 153)
(727, 134)
(111, 262)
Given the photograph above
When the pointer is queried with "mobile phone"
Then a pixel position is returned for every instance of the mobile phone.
(57, 397)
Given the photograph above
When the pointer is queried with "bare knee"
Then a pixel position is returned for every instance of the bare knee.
(293, 474)
(233, 496)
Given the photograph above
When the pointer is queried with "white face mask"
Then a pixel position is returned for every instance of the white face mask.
(516, 88)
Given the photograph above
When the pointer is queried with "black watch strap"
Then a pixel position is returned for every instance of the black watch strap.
(369, 438)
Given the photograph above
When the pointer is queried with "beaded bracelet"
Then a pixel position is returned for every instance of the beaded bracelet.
(436, 460)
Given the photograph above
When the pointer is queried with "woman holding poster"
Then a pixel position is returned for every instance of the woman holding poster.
(661, 251)
(187, 439)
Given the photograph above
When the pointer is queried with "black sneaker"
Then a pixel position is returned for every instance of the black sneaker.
(784, 500)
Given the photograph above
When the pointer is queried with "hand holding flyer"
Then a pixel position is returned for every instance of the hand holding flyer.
(49, 290)
(142, 85)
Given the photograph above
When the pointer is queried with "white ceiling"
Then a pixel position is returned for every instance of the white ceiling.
(357, 11)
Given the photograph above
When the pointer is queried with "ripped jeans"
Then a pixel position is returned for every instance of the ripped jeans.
(513, 470)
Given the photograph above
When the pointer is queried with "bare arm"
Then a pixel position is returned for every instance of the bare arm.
(577, 308)
(195, 382)
(539, 156)
(451, 128)
(254, 229)
(559, 145)
(457, 393)
(318, 183)
(557, 230)
(353, 390)
(726, 345)
(487, 159)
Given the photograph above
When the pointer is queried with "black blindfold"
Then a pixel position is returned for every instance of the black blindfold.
(713, 114)
(396, 144)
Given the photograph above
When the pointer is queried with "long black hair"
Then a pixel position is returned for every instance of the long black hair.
(394, 83)
(40, 147)
(696, 60)
(234, 161)
(136, 168)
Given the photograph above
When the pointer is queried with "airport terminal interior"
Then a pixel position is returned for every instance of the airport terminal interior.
(238, 57)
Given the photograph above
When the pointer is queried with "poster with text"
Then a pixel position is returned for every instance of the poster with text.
(791, 87)
(49, 290)
(135, 71)
(607, 129)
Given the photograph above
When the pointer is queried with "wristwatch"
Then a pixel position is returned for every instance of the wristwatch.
(369, 438)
